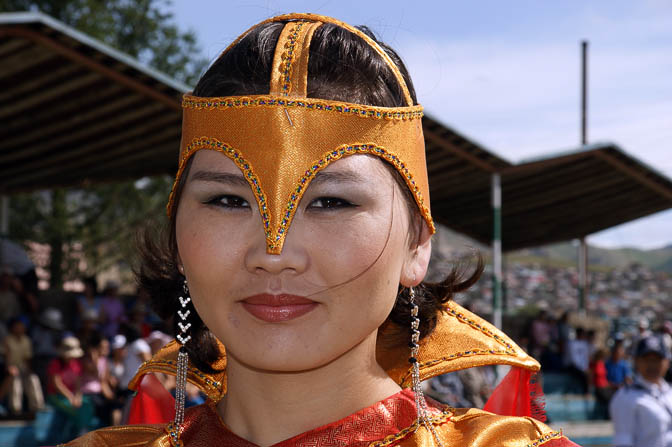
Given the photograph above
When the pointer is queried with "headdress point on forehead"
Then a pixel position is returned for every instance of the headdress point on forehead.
(281, 140)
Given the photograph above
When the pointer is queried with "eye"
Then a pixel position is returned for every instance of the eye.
(329, 203)
(228, 201)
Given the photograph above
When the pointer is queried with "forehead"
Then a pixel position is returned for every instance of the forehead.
(368, 168)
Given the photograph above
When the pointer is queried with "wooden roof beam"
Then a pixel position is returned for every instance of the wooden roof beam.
(27, 33)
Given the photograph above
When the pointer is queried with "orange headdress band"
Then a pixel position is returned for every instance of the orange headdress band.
(281, 140)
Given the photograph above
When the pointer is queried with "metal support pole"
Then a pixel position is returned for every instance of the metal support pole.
(583, 247)
(4, 216)
(497, 251)
(583, 273)
(584, 92)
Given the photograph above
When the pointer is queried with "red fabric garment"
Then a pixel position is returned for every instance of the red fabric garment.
(360, 429)
(518, 394)
(562, 442)
(599, 374)
(70, 372)
(152, 404)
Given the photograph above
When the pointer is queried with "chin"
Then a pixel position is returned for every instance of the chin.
(285, 360)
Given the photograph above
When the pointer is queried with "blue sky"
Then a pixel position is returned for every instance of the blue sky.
(507, 74)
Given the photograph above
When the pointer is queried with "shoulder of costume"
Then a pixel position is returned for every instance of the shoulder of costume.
(477, 427)
(124, 436)
(484, 428)
(460, 340)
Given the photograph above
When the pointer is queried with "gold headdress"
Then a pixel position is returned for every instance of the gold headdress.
(281, 140)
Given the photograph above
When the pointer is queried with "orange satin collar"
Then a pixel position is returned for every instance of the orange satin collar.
(460, 340)
(280, 141)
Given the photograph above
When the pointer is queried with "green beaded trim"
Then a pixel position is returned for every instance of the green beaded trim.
(544, 439)
(288, 57)
(174, 435)
(193, 102)
(435, 420)
(248, 172)
(336, 154)
(470, 353)
(194, 371)
(463, 318)
(274, 242)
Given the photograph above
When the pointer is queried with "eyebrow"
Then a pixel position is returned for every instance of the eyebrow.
(219, 177)
(338, 177)
(321, 177)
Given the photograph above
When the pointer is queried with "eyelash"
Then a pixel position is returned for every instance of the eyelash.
(328, 203)
(219, 201)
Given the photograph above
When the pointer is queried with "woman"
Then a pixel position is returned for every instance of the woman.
(300, 235)
(64, 391)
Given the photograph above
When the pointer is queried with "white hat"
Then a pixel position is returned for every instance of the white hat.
(118, 342)
(71, 348)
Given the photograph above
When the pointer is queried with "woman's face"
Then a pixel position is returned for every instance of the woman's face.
(332, 286)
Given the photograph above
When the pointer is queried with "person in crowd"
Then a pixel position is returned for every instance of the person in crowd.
(113, 313)
(642, 411)
(89, 304)
(643, 331)
(118, 360)
(89, 327)
(600, 385)
(18, 350)
(579, 359)
(46, 334)
(138, 351)
(9, 296)
(116, 374)
(447, 388)
(619, 372)
(540, 334)
(476, 387)
(564, 336)
(64, 392)
(95, 383)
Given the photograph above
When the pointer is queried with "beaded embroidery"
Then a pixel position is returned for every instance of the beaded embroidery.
(288, 57)
(174, 435)
(250, 176)
(463, 318)
(547, 437)
(275, 241)
(409, 113)
(336, 154)
(435, 420)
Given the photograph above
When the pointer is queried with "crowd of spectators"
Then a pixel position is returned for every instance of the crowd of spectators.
(80, 363)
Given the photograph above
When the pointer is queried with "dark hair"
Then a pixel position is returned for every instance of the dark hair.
(343, 67)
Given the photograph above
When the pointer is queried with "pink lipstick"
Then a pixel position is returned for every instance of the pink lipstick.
(277, 308)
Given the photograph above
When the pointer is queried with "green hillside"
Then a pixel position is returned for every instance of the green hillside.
(565, 254)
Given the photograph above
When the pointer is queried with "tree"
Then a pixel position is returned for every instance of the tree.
(98, 223)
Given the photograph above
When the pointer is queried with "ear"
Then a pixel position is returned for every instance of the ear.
(417, 260)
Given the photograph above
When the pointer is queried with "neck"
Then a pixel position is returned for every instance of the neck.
(651, 380)
(267, 407)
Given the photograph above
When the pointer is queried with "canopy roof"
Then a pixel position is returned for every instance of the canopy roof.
(75, 111)
(556, 198)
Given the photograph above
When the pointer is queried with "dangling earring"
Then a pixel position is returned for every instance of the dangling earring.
(420, 402)
(182, 357)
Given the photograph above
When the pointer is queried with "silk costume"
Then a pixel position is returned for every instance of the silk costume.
(280, 142)
(460, 340)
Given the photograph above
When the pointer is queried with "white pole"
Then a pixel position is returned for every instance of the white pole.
(497, 251)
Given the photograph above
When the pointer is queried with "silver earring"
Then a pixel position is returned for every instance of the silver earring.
(183, 338)
(420, 402)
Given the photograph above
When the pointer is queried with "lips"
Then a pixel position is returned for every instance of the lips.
(278, 308)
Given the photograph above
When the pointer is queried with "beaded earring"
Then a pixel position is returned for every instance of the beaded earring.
(183, 338)
(420, 402)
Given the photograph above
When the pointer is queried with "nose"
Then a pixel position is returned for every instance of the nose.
(293, 259)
